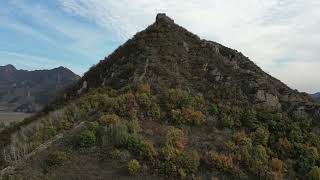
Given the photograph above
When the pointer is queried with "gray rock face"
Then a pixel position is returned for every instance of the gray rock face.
(267, 99)
(217, 74)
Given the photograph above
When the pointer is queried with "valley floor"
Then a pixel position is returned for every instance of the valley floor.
(7, 118)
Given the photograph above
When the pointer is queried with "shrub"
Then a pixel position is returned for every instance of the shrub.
(182, 173)
(147, 151)
(188, 116)
(175, 138)
(56, 159)
(189, 161)
(93, 126)
(115, 154)
(123, 155)
(155, 111)
(227, 121)
(177, 98)
(220, 161)
(126, 106)
(125, 135)
(143, 88)
(118, 134)
(295, 134)
(314, 139)
(133, 126)
(175, 161)
(179, 163)
(307, 158)
(278, 165)
(200, 102)
(260, 154)
(249, 118)
(261, 135)
(87, 138)
(242, 148)
(242, 139)
(284, 147)
(314, 173)
(213, 109)
(109, 119)
(259, 164)
(64, 124)
(133, 167)
(144, 100)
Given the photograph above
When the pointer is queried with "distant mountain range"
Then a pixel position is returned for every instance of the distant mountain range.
(30, 91)
(316, 96)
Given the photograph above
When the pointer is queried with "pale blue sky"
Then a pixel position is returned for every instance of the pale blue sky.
(281, 36)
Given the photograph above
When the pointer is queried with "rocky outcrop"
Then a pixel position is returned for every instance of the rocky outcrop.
(162, 17)
(267, 99)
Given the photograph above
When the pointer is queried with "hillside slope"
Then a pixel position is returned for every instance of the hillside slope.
(30, 91)
(168, 104)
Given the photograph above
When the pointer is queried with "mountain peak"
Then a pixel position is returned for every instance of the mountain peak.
(8, 67)
(7, 70)
(162, 17)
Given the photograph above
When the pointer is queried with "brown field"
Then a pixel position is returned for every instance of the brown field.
(12, 117)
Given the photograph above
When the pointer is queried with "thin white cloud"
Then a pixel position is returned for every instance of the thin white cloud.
(25, 29)
(83, 39)
(266, 31)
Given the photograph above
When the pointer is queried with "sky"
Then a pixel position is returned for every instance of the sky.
(281, 36)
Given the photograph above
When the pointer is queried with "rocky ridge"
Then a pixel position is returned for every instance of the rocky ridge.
(30, 91)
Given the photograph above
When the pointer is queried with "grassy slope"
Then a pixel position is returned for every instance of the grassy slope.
(228, 147)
